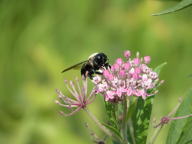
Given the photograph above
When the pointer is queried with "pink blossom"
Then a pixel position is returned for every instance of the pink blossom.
(137, 70)
(127, 54)
(126, 66)
(107, 75)
(122, 73)
(130, 78)
(147, 59)
(119, 61)
(115, 67)
(135, 76)
(136, 61)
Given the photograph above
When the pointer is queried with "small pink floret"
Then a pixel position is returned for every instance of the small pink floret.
(106, 73)
(109, 95)
(126, 66)
(135, 76)
(137, 70)
(127, 54)
(122, 73)
(115, 67)
(147, 59)
(119, 61)
(136, 61)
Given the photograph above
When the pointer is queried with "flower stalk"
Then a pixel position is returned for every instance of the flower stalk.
(163, 121)
(103, 128)
(131, 128)
(124, 122)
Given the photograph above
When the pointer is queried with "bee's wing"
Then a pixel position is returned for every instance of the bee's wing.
(76, 66)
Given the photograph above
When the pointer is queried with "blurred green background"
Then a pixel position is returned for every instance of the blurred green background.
(40, 38)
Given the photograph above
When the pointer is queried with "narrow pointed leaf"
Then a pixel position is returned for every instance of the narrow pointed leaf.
(159, 67)
(181, 5)
(177, 127)
(186, 137)
(113, 130)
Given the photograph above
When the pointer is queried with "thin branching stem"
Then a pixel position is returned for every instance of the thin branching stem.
(181, 117)
(103, 128)
(158, 129)
(156, 133)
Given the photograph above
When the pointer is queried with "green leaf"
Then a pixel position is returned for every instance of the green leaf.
(186, 137)
(177, 127)
(183, 4)
(141, 119)
(159, 67)
(116, 142)
(111, 114)
(170, 0)
(131, 107)
(114, 130)
(112, 123)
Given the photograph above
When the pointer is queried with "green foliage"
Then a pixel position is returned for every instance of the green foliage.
(141, 119)
(181, 5)
(159, 67)
(114, 130)
(180, 130)
(186, 136)
(111, 110)
(142, 113)
(112, 121)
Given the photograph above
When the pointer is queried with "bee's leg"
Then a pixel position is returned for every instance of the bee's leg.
(91, 77)
(91, 74)
(85, 73)
(98, 72)
(107, 65)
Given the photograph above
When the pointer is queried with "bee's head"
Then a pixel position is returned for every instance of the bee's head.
(99, 60)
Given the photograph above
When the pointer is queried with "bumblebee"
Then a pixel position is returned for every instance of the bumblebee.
(91, 66)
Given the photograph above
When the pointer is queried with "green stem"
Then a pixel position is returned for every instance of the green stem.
(156, 133)
(132, 131)
(103, 128)
(124, 122)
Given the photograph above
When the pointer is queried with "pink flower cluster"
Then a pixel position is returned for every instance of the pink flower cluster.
(130, 78)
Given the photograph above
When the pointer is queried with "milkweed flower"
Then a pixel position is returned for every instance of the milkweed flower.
(132, 77)
(80, 97)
